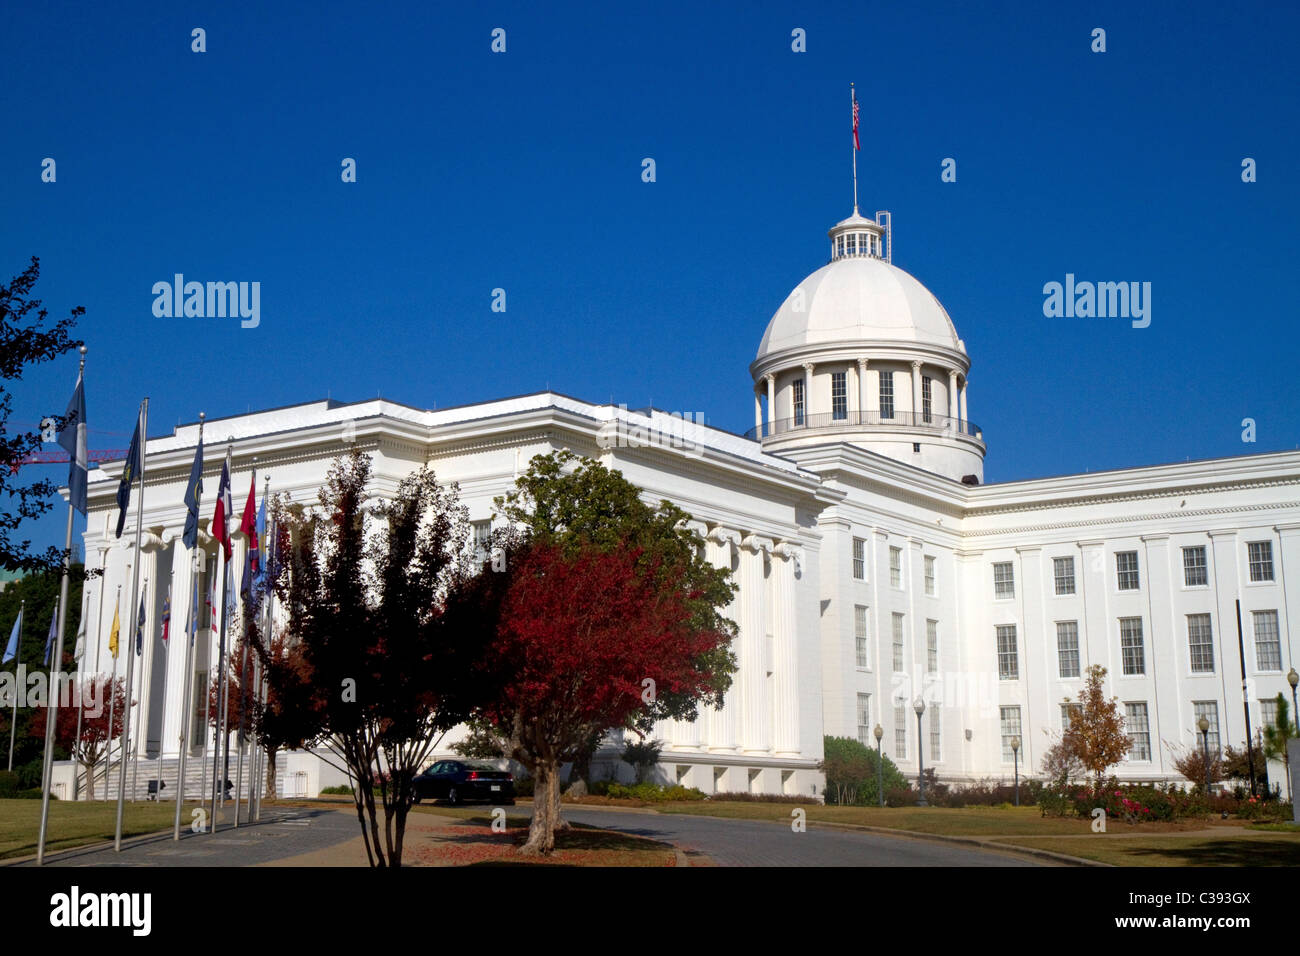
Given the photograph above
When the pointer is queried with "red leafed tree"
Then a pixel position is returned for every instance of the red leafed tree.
(94, 704)
(578, 632)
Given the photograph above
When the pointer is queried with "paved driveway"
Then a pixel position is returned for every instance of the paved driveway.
(758, 843)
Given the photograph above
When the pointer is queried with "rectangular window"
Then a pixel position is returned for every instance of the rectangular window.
(839, 247)
(886, 394)
(1261, 560)
(1010, 729)
(1194, 575)
(934, 735)
(860, 635)
(859, 559)
(929, 575)
(482, 541)
(1138, 728)
(898, 644)
(1126, 568)
(1132, 654)
(864, 719)
(1008, 660)
(1063, 573)
(1200, 643)
(932, 647)
(839, 396)
(797, 387)
(1068, 713)
(1067, 648)
(1268, 649)
(1209, 709)
(1268, 712)
(199, 726)
(896, 567)
(1004, 580)
(900, 731)
(927, 392)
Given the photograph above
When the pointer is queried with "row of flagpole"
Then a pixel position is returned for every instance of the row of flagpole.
(72, 436)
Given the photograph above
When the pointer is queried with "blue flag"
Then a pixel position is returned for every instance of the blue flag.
(12, 650)
(49, 640)
(193, 489)
(139, 629)
(72, 438)
(129, 470)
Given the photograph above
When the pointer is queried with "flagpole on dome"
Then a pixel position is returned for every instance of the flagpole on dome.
(853, 100)
(74, 442)
(190, 539)
(142, 426)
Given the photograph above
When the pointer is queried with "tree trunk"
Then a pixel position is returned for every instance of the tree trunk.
(546, 798)
(270, 772)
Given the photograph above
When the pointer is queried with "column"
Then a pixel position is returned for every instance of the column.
(686, 734)
(724, 721)
(143, 717)
(851, 395)
(771, 402)
(952, 397)
(808, 368)
(755, 722)
(758, 415)
(863, 391)
(182, 583)
(965, 383)
(916, 393)
(785, 666)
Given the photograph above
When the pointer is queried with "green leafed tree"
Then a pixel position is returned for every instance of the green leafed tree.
(852, 772)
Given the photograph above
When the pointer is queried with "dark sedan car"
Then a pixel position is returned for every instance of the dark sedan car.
(458, 782)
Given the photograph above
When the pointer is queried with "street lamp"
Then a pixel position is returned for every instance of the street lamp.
(919, 707)
(1015, 763)
(1204, 726)
(880, 765)
(1293, 678)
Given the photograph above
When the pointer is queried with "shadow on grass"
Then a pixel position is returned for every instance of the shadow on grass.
(1225, 852)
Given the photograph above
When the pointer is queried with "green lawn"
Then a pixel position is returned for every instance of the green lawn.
(965, 821)
(1237, 848)
(78, 823)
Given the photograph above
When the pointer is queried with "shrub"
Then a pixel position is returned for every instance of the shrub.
(851, 772)
(523, 786)
(8, 783)
(653, 792)
(342, 788)
(745, 797)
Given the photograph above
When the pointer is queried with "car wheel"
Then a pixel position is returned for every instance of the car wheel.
(453, 797)
(416, 798)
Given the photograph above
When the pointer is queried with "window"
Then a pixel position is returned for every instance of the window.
(198, 725)
(1268, 712)
(931, 647)
(482, 540)
(1194, 575)
(1004, 580)
(1132, 655)
(1268, 650)
(839, 247)
(1067, 648)
(798, 401)
(926, 403)
(860, 635)
(898, 643)
(1209, 709)
(1138, 729)
(1063, 572)
(929, 575)
(1261, 560)
(839, 396)
(1008, 661)
(1200, 643)
(886, 394)
(900, 731)
(896, 567)
(1068, 713)
(934, 734)
(1010, 729)
(853, 243)
(859, 559)
(864, 719)
(1126, 568)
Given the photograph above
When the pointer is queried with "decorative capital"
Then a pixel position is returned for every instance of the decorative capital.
(917, 364)
(754, 543)
(863, 363)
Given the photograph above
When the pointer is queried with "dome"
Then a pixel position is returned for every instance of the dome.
(860, 298)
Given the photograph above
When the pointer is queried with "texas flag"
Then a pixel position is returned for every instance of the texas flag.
(221, 517)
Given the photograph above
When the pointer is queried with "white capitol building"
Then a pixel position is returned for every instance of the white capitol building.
(874, 565)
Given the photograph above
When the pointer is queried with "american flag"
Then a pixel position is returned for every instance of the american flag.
(856, 145)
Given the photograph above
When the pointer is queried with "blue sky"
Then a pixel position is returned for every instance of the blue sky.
(522, 171)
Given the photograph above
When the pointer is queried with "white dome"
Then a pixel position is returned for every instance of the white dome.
(859, 299)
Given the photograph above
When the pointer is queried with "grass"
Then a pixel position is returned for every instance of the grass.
(77, 823)
(1240, 849)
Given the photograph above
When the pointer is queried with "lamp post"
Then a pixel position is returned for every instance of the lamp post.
(1293, 679)
(919, 706)
(1015, 763)
(880, 765)
(1204, 726)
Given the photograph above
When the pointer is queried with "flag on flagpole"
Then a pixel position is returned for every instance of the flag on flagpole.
(12, 650)
(856, 144)
(262, 562)
(139, 629)
(248, 527)
(221, 516)
(193, 488)
(112, 634)
(212, 604)
(72, 438)
(49, 638)
(167, 614)
(129, 471)
(80, 650)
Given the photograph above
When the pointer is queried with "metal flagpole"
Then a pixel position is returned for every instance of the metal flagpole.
(1245, 703)
(207, 697)
(853, 100)
(52, 711)
(143, 424)
(221, 743)
(76, 740)
(135, 744)
(264, 686)
(167, 659)
(112, 692)
(99, 614)
(191, 635)
(243, 658)
(18, 663)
